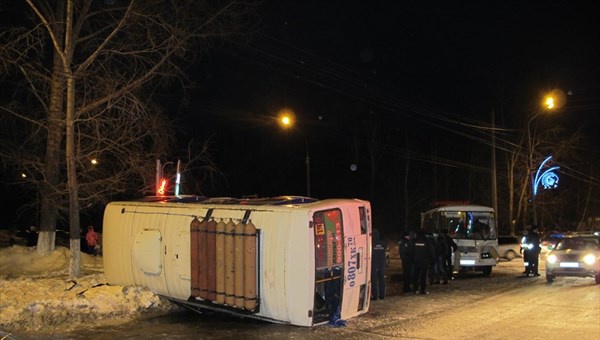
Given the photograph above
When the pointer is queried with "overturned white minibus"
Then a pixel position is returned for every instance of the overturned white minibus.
(287, 259)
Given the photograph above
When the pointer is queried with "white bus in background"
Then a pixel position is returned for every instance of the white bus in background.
(286, 259)
(473, 228)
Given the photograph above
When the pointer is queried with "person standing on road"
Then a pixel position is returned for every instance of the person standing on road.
(441, 251)
(535, 242)
(434, 274)
(378, 266)
(423, 256)
(451, 248)
(404, 250)
(525, 251)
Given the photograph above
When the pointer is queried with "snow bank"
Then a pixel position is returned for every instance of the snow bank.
(37, 294)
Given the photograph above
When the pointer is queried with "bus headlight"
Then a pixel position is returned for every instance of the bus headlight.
(589, 259)
(551, 259)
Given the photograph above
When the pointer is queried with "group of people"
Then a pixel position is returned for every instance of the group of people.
(428, 258)
(425, 257)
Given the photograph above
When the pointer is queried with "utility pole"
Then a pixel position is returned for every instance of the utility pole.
(494, 182)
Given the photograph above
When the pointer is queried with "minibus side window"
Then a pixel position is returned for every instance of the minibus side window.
(363, 220)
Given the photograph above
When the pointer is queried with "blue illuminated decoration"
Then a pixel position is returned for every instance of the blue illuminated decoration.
(547, 178)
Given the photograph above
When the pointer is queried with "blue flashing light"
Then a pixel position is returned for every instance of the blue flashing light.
(177, 181)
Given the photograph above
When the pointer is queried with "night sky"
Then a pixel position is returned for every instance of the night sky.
(375, 83)
(402, 90)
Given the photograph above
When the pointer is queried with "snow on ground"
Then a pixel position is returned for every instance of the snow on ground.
(36, 293)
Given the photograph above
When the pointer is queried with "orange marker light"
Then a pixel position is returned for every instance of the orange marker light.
(161, 189)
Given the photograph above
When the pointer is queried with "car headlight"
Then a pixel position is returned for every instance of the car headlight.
(589, 259)
(551, 259)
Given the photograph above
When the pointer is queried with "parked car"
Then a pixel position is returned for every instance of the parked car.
(509, 247)
(577, 255)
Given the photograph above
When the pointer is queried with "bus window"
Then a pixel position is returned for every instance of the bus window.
(328, 238)
(481, 226)
(455, 223)
(363, 220)
(329, 263)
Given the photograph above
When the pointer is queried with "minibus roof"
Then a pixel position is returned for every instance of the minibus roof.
(464, 207)
(277, 200)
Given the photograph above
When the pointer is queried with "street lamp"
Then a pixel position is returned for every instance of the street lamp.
(551, 101)
(287, 120)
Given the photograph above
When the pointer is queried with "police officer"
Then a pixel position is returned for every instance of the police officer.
(404, 250)
(531, 251)
(378, 267)
(535, 241)
(423, 256)
(525, 251)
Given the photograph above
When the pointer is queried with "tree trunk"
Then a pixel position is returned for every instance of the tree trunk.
(48, 210)
(74, 223)
(70, 153)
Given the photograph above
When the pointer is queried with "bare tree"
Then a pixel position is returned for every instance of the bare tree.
(524, 157)
(87, 72)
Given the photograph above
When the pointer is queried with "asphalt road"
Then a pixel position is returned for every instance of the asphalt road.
(505, 305)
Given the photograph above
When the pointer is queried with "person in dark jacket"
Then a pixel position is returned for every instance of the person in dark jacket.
(451, 249)
(378, 267)
(32, 236)
(525, 251)
(532, 243)
(404, 250)
(423, 255)
(441, 252)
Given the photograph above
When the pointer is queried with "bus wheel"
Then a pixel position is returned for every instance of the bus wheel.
(487, 270)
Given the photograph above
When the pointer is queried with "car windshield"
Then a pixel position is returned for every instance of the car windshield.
(578, 243)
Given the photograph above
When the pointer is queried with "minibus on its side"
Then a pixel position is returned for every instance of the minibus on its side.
(286, 259)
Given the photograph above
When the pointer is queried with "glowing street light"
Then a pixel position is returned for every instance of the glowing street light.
(287, 120)
(554, 99)
(94, 161)
(549, 103)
